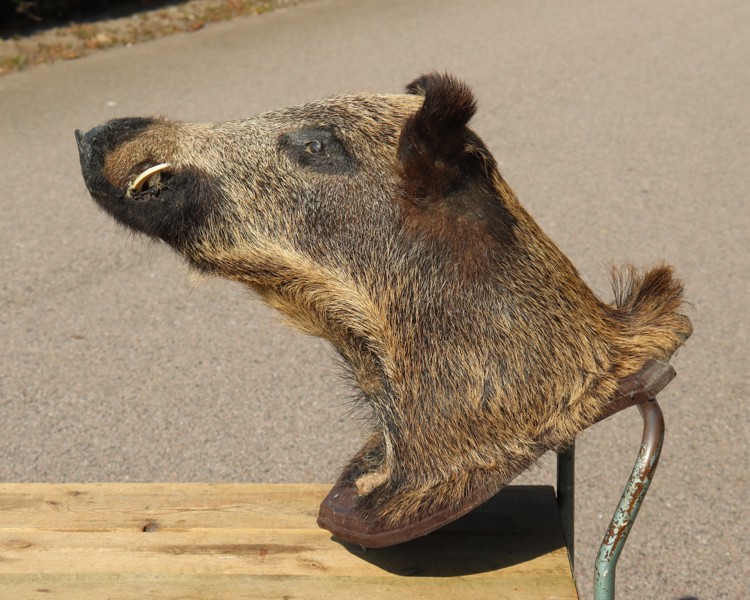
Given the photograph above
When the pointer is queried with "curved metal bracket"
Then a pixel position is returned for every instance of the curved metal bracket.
(630, 503)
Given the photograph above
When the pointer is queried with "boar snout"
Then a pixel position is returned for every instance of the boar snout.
(127, 168)
(97, 143)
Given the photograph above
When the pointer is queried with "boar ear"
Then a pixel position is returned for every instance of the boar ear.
(433, 145)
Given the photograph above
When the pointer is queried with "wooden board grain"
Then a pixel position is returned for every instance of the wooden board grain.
(261, 541)
(184, 506)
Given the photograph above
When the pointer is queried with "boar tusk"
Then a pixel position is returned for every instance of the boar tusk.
(152, 175)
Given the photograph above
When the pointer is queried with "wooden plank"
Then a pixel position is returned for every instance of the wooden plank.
(267, 552)
(261, 541)
(120, 506)
(225, 587)
(179, 507)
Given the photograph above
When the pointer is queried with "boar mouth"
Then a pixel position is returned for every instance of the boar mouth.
(149, 182)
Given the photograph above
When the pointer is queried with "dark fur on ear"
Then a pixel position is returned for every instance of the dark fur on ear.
(433, 144)
(447, 172)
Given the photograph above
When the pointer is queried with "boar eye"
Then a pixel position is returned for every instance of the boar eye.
(314, 147)
(317, 149)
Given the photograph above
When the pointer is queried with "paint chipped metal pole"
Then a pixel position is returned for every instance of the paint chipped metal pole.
(635, 492)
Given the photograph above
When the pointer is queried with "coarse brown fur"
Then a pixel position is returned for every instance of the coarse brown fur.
(382, 224)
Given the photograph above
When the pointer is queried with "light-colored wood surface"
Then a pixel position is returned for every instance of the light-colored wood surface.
(97, 541)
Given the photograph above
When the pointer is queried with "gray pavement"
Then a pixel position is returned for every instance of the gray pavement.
(623, 127)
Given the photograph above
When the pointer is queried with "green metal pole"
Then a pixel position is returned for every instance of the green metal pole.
(566, 473)
(630, 503)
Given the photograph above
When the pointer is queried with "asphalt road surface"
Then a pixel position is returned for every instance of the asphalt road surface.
(623, 126)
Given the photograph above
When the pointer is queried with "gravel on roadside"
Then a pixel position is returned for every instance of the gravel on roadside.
(81, 38)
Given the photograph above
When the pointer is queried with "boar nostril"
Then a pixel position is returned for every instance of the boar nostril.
(151, 177)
